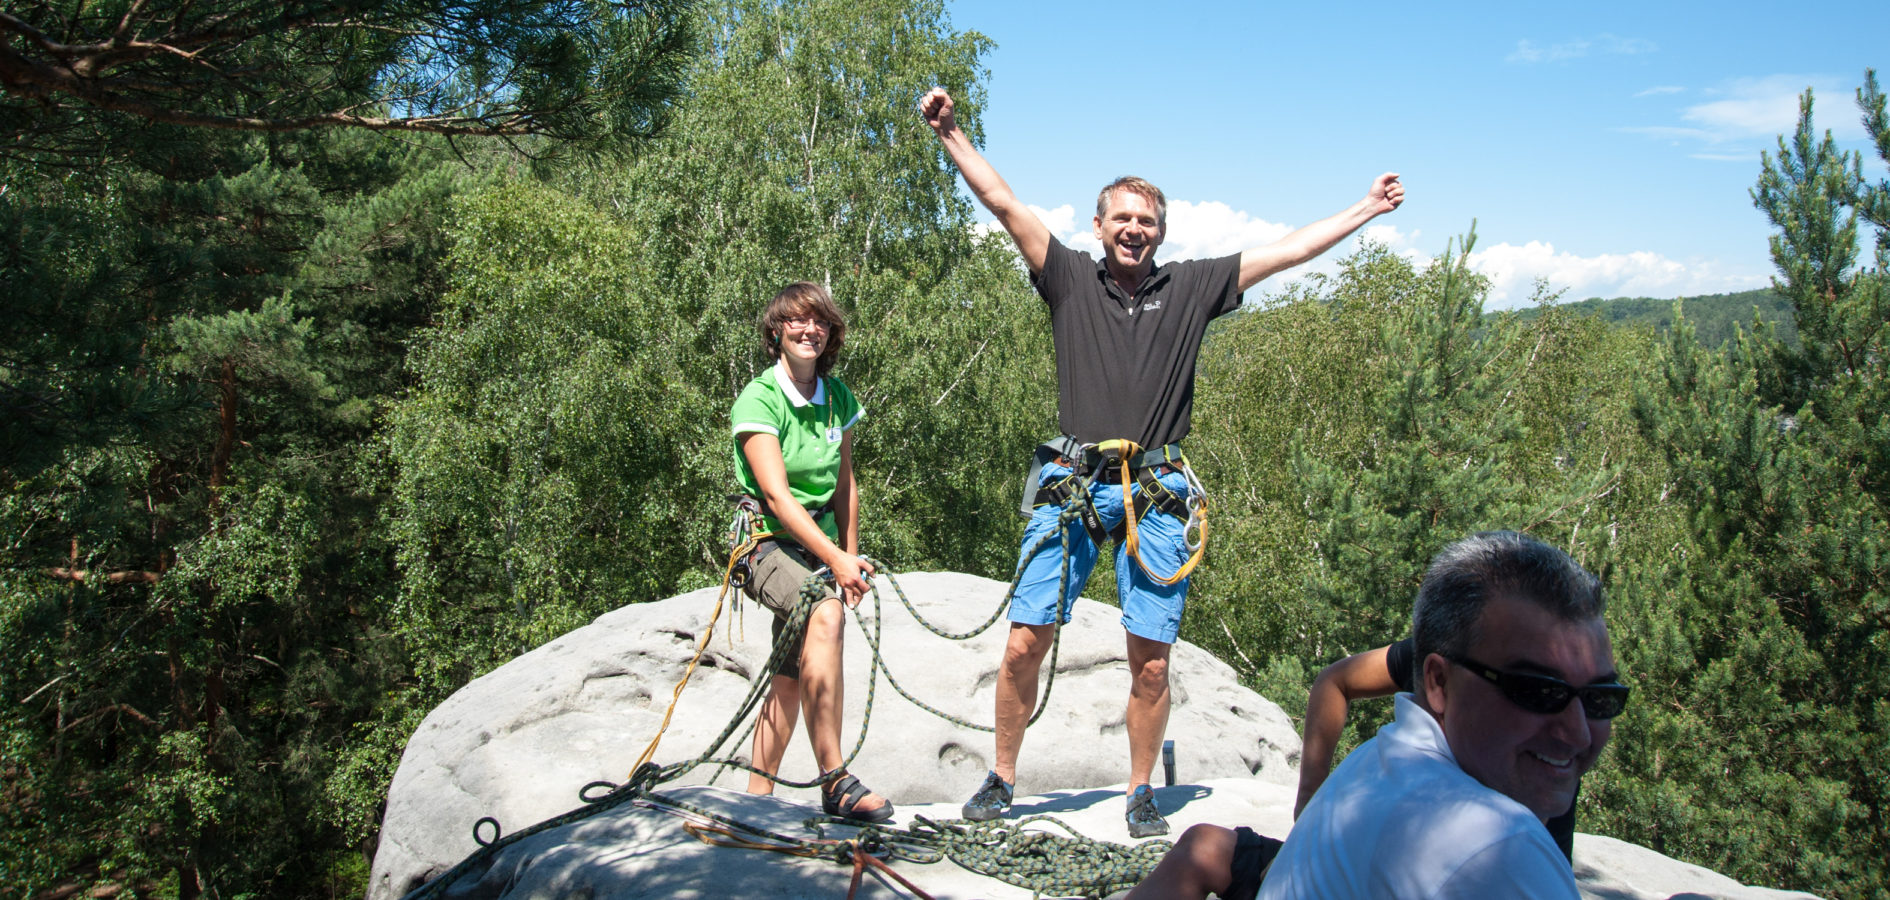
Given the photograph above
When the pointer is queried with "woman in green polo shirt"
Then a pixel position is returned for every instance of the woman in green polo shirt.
(794, 453)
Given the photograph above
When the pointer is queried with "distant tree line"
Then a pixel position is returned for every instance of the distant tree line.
(306, 427)
(1715, 318)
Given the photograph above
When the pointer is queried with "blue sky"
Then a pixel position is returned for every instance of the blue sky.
(1605, 147)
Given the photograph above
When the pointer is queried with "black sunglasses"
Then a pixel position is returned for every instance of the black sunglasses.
(1545, 695)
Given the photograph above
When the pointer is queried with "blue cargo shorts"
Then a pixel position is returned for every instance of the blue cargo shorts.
(1150, 609)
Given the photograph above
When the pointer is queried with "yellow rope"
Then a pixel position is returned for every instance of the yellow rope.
(1131, 541)
(728, 574)
(717, 836)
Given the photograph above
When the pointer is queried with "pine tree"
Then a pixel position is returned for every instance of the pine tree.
(1758, 634)
(1448, 458)
(90, 79)
(189, 587)
(1369, 420)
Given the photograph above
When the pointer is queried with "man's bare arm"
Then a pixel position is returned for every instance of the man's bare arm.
(1256, 264)
(1355, 677)
(1028, 231)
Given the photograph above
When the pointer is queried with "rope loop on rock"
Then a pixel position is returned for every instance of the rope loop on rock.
(584, 793)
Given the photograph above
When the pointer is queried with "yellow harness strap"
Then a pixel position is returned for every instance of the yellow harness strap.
(1131, 541)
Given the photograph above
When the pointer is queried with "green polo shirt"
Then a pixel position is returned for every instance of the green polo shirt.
(810, 432)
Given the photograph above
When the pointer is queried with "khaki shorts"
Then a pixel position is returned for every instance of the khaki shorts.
(775, 582)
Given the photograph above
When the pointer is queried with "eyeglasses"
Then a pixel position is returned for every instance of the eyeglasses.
(1547, 696)
(803, 323)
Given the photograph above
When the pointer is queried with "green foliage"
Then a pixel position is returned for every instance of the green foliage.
(1371, 419)
(192, 576)
(567, 449)
(90, 77)
(542, 461)
(70, 367)
(801, 157)
(303, 430)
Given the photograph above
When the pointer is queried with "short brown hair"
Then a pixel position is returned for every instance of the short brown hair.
(1133, 185)
(803, 299)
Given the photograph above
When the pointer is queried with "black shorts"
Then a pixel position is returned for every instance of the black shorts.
(1253, 853)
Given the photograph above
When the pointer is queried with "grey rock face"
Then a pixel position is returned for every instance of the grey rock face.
(518, 743)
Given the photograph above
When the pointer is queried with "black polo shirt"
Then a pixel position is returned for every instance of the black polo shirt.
(1125, 368)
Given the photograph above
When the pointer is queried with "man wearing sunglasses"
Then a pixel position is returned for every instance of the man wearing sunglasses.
(1516, 690)
(1381, 672)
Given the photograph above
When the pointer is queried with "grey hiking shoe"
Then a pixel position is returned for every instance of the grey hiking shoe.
(992, 800)
(1145, 820)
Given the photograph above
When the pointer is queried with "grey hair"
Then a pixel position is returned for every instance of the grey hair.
(1471, 572)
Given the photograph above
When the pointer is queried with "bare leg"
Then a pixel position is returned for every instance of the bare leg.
(822, 690)
(1148, 706)
(1024, 651)
(1201, 863)
(779, 713)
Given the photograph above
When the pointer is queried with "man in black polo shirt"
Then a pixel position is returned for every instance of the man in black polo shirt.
(1126, 332)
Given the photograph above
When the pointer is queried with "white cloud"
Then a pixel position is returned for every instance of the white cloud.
(1658, 90)
(1211, 229)
(1513, 271)
(1674, 134)
(1061, 221)
(1389, 235)
(1742, 117)
(1603, 44)
(1625, 46)
(1753, 112)
(1751, 107)
(1075, 233)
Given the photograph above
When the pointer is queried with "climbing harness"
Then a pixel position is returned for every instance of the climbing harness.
(746, 535)
(1123, 462)
(749, 540)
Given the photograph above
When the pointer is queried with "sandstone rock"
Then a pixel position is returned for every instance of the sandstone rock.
(631, 852)
(518, 743)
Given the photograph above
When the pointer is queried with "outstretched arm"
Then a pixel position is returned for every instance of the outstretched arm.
(1355, 677)
(1028, 231)
(1320, 236)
